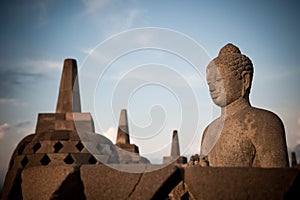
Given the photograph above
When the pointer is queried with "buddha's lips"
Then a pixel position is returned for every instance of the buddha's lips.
(214, 95)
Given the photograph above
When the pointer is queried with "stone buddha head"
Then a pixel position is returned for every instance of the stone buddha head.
(229, 76)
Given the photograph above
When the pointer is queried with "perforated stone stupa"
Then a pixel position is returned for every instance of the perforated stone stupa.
(175, 152)
(57, 141)
(128, 153)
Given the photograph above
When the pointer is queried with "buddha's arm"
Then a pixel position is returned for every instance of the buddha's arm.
(203, 138)
(270, 142)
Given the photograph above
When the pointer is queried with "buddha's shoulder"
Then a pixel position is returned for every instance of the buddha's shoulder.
(215, 123)
(263, 115)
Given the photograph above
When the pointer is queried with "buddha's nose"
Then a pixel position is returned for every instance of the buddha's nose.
(212, 87)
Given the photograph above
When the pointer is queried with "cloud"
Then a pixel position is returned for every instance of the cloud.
(148, 73)
(111, 134)
(131, 17)
(14, 75)
(88, 51)
(121, 21)
(125, 20)
(12, 101)
(116, 20)
(12, 80)
(282, 75)
(3, 128)
(23, 124)
(17, 76)
(145, 39)
(95, 5)
(42, 64)
(7, 101)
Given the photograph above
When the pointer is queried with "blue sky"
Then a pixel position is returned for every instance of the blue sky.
(37, 35)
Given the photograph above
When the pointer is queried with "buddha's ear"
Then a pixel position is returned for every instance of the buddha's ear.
(246, 83)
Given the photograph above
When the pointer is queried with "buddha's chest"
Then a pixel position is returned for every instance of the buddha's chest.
(233, 146)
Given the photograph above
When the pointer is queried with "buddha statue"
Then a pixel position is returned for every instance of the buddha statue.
(243, 136)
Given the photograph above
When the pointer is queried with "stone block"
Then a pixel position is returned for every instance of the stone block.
(84, 158)
(62, 125)
(71, 146)
(34, 160)
(57, 159)
(45, 122)
(41, 183)
(46, 146)
(44, 135)
(129, 147)
(12, 185)
(103, 159)
(78, 116)
(20, 162)
(24, 146)
(73, 136)
(82, 126)
(122, 185)
(157, 184)
(242, 183)
(83, 121)
(168, 159)
(60, 135)
(117, 184)
(60, 116)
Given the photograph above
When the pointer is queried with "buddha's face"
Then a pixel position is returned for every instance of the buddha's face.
(224, 87)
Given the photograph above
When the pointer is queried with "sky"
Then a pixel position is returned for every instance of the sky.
(148, 57)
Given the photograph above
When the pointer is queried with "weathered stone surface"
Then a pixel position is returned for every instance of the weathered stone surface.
(12, 188)
(243, 135)
(175, 152)
(61, 135)
(23, 145)
(102, 182)
(57, 141)
(45, 122)
(123, 131)
(179, 192)
(57, 159)
(62, 125)
(83, 121)
(129, 147)
(242, 183)
(127, 157)
(68, 98)
(128, 153)
(44, 136)
(42, 182)
(74, 136)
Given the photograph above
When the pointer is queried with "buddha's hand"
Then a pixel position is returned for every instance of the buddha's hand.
(203, 162)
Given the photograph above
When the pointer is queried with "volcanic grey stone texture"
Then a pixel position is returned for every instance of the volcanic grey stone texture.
(242, 183)
(41, 183)
(102, 182)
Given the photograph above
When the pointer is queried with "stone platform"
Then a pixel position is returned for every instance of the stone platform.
(102, 182)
